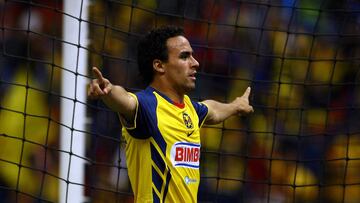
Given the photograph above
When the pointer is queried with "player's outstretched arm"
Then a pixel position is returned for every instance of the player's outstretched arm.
(114, 96)
(218, 111)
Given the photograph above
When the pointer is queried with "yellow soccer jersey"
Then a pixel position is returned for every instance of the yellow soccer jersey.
(163, 148)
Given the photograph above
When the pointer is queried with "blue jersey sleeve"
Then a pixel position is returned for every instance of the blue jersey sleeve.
(145, 118)
(201, 110)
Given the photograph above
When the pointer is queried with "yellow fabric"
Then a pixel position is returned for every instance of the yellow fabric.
(180, 130)
(24, 136)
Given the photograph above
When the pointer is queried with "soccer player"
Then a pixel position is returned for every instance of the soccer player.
(161, 125)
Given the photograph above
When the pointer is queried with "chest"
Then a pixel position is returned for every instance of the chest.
(178, 125)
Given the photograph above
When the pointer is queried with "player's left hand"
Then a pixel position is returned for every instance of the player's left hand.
(242, 103)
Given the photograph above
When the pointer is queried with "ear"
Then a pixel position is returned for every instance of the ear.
(158, 66)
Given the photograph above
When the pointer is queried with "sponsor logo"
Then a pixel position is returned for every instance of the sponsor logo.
(189, 180)
(185, 154)
(188, 134)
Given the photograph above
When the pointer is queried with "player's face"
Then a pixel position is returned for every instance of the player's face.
(181, 65)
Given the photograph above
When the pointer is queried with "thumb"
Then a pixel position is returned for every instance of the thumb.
(107, 89)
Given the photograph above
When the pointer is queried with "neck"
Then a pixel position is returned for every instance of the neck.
(172, 93)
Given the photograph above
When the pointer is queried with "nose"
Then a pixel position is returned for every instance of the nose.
(194, 62)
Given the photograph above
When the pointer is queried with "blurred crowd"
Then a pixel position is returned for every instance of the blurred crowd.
(301, 58)
(29, 108)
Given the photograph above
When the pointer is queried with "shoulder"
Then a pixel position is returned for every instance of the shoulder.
(146, 98)
(199, 107)
(145, 93)
(196, 104)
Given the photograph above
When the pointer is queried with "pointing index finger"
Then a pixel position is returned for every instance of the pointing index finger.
(247, 92)
(97, 73)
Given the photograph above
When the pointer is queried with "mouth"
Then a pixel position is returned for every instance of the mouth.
(192, 76)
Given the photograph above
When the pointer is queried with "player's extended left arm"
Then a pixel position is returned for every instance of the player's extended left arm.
(218, 112)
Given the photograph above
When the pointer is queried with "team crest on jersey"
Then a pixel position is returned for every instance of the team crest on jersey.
(187, 121)
(185, 154)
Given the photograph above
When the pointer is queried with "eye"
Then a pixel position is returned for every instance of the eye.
(184, 55)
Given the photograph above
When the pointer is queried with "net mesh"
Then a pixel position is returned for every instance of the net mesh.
(301, 58)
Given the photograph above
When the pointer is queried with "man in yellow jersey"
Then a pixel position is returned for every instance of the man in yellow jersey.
(161, 124)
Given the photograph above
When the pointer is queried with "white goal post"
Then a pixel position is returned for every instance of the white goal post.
(73, 99)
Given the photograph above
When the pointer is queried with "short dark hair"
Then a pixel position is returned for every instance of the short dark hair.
(153, 46)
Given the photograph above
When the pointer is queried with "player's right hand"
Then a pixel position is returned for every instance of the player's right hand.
(99, 86)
